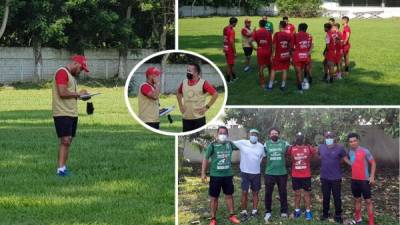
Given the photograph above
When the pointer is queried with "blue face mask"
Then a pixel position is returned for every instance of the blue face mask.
(253, 139)
(329, 141)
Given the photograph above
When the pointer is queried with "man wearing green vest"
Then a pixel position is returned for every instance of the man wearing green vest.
(219, 153)
(275, 172)
(192, 95)
(65, 107)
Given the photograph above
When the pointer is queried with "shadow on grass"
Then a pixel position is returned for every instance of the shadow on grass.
(119, 172)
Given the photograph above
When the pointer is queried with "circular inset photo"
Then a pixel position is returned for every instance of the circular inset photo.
(175, 92)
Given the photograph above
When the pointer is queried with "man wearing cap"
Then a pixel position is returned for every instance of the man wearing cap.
(148, 98)
(251, 155)
(331, 155)
(246, 43)
(300, 155)
(65, 107)
(192, 96)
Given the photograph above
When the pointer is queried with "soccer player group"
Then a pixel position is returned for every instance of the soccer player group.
(277, 51)
(277, 152)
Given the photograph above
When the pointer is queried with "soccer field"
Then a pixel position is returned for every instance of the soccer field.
(170, 100)
(120, 171)
(374, 77)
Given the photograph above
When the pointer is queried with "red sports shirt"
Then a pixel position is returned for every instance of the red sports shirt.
(147, 89)
(301, 157)
(339, 45)
(282, 42)
(207, 87)
(263, 39)
(229, 38)
(290, 29)
(302, 45)
(346, 33)
(61, 77)
(331, 41)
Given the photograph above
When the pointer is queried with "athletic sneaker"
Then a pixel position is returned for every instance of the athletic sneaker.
(213, 221)
(244, 216)
(234, 219)
(254, 213)
(338, 219)
(308, 215)
(296, 214)
(323, 217)
(267, 217)
(246, 69)
(62, 173)
(282, 88)
(268, 88)
(284, 215)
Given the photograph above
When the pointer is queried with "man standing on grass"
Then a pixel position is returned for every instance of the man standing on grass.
(290, 28)
(346, 43)
(302, 47)
(268, 25)
(339, 50)
(330, 52)
(361, 180)
(281, 47)
(275, 172)
(219, 153)
(230, 49)
(331, 155)
(251, 155)
(192, 95)
(65, 106)
(247, 35)
(300, 155)
(148, 97)
(263, 38)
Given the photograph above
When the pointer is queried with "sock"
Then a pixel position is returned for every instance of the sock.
(61, 169)
(283, 83)
(243, 211)
(299, 87)
(254, 211)
(307, 210)
(357, 215)
(297, 210)
(371, 218)
(270, 83)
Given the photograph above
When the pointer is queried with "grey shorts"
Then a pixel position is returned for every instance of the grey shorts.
(252, 181)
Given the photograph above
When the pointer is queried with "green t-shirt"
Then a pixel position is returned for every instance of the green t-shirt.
(275, 153)
(269, 27)
(221, 158)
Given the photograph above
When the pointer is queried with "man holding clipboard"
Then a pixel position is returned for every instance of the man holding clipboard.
(65, 107)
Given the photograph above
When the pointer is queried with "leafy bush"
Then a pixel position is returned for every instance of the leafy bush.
(299, 8)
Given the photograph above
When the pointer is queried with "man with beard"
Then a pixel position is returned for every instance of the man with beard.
(65, 106)
(192, 96)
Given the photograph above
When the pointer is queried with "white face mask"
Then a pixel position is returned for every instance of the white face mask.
(329, 141)
(222, 137)
(253, 139)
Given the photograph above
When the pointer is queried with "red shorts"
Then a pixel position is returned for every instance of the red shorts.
(301, 64)
(279, 65)
(230, 58)
(346, 49)
(263, 58)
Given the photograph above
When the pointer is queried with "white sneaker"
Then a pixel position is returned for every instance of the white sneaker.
(267, 217)
(284, 215)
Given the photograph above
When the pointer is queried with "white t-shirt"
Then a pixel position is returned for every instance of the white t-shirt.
(250, 156)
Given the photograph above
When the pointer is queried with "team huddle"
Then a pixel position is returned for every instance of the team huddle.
(277, 51)
(277, 152)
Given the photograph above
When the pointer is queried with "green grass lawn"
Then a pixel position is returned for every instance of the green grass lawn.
(194, 201)
(121, 173)
(170, 100)
(374, 77)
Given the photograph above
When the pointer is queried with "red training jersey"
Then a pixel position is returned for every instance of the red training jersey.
(229, 38)
(302, 44)
(290, 29)
(263, 39)
(346, 33)
(282, 42)
(301, 157)
(147, 89)
(61, 77)
(331, 41)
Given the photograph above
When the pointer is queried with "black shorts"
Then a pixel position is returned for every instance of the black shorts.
(359, 187)
(248, 51)
(301, 183)
(252, 181)
(189, 125)
(216, 183)
(65, 126)
(154, 125)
